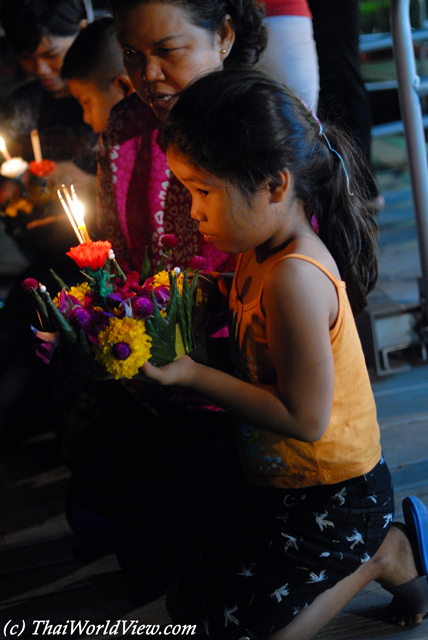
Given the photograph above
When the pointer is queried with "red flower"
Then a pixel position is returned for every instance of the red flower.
(169, 241)
(91, 255)
(29, 283)
(198, 263)
(41, 169)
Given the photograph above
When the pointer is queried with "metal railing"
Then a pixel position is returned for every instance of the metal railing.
(410, 88)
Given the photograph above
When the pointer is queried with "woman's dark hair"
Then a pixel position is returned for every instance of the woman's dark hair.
(245, 127)
(247, 17)
(27, 21)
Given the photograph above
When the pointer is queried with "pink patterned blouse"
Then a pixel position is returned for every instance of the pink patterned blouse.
(139, 199)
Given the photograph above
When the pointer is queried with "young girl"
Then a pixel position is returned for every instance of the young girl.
(312, 525)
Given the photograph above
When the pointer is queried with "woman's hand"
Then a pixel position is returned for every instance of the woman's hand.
(181, 372)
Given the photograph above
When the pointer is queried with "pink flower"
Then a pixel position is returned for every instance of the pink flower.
(169, 241)
(29, 283)
(198, 263)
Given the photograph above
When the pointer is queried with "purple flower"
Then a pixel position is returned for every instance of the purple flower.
(161, 295)
(143, 307)
(99, 321)
(80, 318)
(29, 283)
(121, 350)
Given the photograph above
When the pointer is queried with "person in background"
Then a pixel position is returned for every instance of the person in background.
(40, 33)
(290, 55)
(343, 98)
(95, 74)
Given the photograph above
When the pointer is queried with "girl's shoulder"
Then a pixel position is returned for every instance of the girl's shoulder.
(304, 281)
(305, 256)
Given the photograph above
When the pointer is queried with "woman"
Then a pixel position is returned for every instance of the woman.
(165, 45)
(163, 475)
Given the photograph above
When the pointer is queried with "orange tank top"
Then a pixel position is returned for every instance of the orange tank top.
(350, 447)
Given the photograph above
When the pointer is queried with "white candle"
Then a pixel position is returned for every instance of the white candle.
(70, 217)
(4, 150)
(13, 168)
(74, 210)
(78, 214)
(35, 141)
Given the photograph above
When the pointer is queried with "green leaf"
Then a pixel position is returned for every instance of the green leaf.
(100, 283)
(118, 271)
(187, 304)
(146, 270)
(64, 329)
(41, 307)
(181, 316)
(60, 282)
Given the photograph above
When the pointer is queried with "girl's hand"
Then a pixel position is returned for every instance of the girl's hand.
(181, 372)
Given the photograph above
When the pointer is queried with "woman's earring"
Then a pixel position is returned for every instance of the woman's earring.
(222, 50)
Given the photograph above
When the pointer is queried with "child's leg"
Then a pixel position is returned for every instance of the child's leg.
(391, 566)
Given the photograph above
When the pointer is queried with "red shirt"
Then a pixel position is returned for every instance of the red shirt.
(287, 8)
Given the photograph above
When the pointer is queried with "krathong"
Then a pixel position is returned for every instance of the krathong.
(110, 324)
(25, 189)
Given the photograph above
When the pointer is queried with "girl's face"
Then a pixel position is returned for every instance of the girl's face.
(163, 51)
(46, 61)
(226, 218)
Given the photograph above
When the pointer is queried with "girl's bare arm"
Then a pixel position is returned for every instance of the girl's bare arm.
(299, 302)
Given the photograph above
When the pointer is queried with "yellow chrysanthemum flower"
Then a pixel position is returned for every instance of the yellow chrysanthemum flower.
(124, 347)
(162, 279)
(79, 292)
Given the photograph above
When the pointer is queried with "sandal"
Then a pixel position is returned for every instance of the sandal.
(413, 595)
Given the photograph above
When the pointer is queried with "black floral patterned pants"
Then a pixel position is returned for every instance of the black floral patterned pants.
(278, 551)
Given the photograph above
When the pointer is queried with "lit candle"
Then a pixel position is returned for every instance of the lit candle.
(35, 141)
(4, 150)
(74, 210)
(78, 214)
(70, 217)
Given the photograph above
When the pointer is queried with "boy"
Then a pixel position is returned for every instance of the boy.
(93, 68)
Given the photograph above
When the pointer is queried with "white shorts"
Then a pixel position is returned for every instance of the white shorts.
(291, 56)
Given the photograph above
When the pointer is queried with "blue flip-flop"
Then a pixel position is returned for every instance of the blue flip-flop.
(416, 521)
(413, 595)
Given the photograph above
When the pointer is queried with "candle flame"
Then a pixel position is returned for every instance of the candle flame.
(4, 150)
(75, 212)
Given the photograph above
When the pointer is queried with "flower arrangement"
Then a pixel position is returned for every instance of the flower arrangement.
(109, 325)
(25, 189)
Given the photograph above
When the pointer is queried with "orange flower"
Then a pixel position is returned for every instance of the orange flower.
(93, 254)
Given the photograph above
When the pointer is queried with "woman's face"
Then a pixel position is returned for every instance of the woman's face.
(163, 51)
(46, 61)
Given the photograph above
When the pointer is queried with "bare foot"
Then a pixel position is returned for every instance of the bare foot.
(398, 569)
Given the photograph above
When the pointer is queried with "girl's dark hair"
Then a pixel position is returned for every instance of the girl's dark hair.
(27, 21)
(245, 127)
(247, 17)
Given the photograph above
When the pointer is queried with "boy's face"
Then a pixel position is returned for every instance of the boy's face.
(95, 102)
